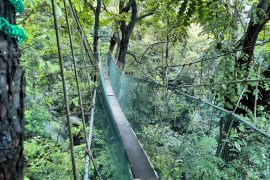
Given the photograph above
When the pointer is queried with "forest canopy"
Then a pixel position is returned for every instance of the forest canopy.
(192, 78)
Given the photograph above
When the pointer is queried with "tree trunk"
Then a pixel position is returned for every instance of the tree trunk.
(113, 42)
(123, 51)
(126, 30)
(96, 27)
(242, 65)
(117, 44)
(11, 102)
(248, 46)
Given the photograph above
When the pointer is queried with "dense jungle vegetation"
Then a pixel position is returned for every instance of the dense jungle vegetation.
(216, 50)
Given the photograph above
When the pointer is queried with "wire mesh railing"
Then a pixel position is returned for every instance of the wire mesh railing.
(115, 164)
(186, 137)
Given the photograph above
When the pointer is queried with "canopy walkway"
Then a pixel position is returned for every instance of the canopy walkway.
(136, 99)
(157, 132)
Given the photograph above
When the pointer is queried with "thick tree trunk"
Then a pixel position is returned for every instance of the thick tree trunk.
(11, 103)
(254, 29)
(242, 65)
(126, 30)
(96, 27)
(248, 46)
(123, 51)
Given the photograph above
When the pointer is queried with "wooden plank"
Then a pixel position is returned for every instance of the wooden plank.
(140, 164)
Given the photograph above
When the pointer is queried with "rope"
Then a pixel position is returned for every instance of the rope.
(65, 91)
(238, 118)
(12, 30)
(76, 73)
(222, 55)
(87, 163)
(243, 81)
(18, 5)
(85, 45)
(81, 30)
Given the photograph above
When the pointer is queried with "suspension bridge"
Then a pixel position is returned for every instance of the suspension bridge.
(142, 128)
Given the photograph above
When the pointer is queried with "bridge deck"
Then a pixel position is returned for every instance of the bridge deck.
(140, 164)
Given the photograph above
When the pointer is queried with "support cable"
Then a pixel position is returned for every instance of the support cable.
(89, 156)
(76, 74)
(65, 91)
(234, 111)
(238, 118)
(221, 55)
(86, 46)
(84, 62)
(80, 28)
(242, 81)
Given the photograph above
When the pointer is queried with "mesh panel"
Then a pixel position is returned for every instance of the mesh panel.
(186, 137)
(115, 165)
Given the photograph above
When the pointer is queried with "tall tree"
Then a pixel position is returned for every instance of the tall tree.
(96, 11)
(256, 25)
(11, 101)
(126, 28)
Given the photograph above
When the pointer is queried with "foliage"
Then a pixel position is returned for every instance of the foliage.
(45, 159)
(174, 131)
(35, 121)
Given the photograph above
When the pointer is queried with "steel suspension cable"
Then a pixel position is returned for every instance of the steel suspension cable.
(76, 74)
(65, 90)
(80, 28)
(218, 56)
(267, 136)
(83, 60)
(243, 81)
(234, 111)
(84, 43)
(91, 124)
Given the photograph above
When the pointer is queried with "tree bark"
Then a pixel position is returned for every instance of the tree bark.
(254, 29)
(11, 102)
(242, 65)
(126, 30)
(113, 42)
(248, 46)
(96, 12)
(96, 27)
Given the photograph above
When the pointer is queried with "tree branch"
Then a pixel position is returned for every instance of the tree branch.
(151, 45)
(90, 6)
(133, 18)
(127, 7)
(107, 11)
(26, 17)
(134, 57)
(145, 15)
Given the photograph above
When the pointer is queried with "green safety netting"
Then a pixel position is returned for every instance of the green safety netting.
(116, 160)
(187, 137)
(12, 30)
